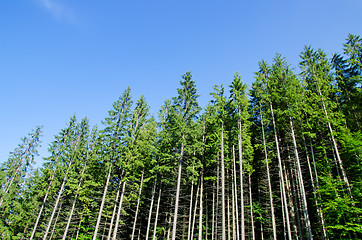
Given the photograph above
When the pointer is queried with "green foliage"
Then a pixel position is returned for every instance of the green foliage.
(314, 116)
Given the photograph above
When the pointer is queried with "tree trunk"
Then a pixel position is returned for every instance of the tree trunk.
(233, 201)
(157, 211)
(102, 204)
(242, 211)
(78, 229)
(194, 215)
(213, 210)
(223, 205)
(228, 206)
(324, 231)
(73, 205)
(292, 197)
(236, 197)
(114, 211)
(201, 202)
(251, 209)
(190, 209)
(57, 201)
(119, 211)
(55, 222)
(284, 197)
(269, 180)
(150, 211)
(138, 204)
(174, 228)
(14, 175)
(42, 206)
(301, 184)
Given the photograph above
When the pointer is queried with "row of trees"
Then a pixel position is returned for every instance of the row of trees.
(282, 161)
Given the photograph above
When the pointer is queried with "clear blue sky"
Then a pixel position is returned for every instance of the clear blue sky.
(60, 57)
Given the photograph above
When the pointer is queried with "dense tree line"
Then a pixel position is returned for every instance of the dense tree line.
(280, 161)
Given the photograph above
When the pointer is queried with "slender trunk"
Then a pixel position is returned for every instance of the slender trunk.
(334, 141)
(233, 199)
(151, 207)
(251, 209)
(157, 211)
(242, 211)
(324, 231)
(73, 205)
(42, 206)
(217, 199)
(292, 198)
(138, 204)
(57, 201)
(201, 202)
(202, 183)
(319, 210)
(236, 197)
(174, 228)
(78, 229)
(194, 215)
(114, 210)
(169, 228)
(301, 184)
(102, 204)
(284, 197)
(228, 208)
(119, 212)
(9, 185)
(183, 225)
(206, 217)
(213, 212)
(223, 205)
(283, 210)
(269, 179)
(55, 222)
(190, 209)
(14, 175)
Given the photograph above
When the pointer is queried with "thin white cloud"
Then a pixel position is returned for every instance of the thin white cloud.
(57, 10)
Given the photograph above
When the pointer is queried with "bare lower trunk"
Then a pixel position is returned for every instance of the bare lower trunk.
(223, 205)
(150, 211)
(114, 211)
(57, 201)
(269, 180)
(324, 231)
(233, 215)
(73, 205)
(334, 143)
(301, 185)
(213, 212)
(174, 228)
(119, 212)
(102, 204)
(55, 222)
(236, 197)
(138, 204)
(78, 229)
(284, 197)
(194, 215)
(42, 206)
(157, 211)
(251, 209)
(242, 212)
(190, 210)
(201, 202)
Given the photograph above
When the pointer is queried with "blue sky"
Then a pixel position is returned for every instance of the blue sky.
(65, 57)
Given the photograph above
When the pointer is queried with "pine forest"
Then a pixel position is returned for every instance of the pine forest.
(280, 159)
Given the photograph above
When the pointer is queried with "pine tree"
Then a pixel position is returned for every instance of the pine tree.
(13, 179)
